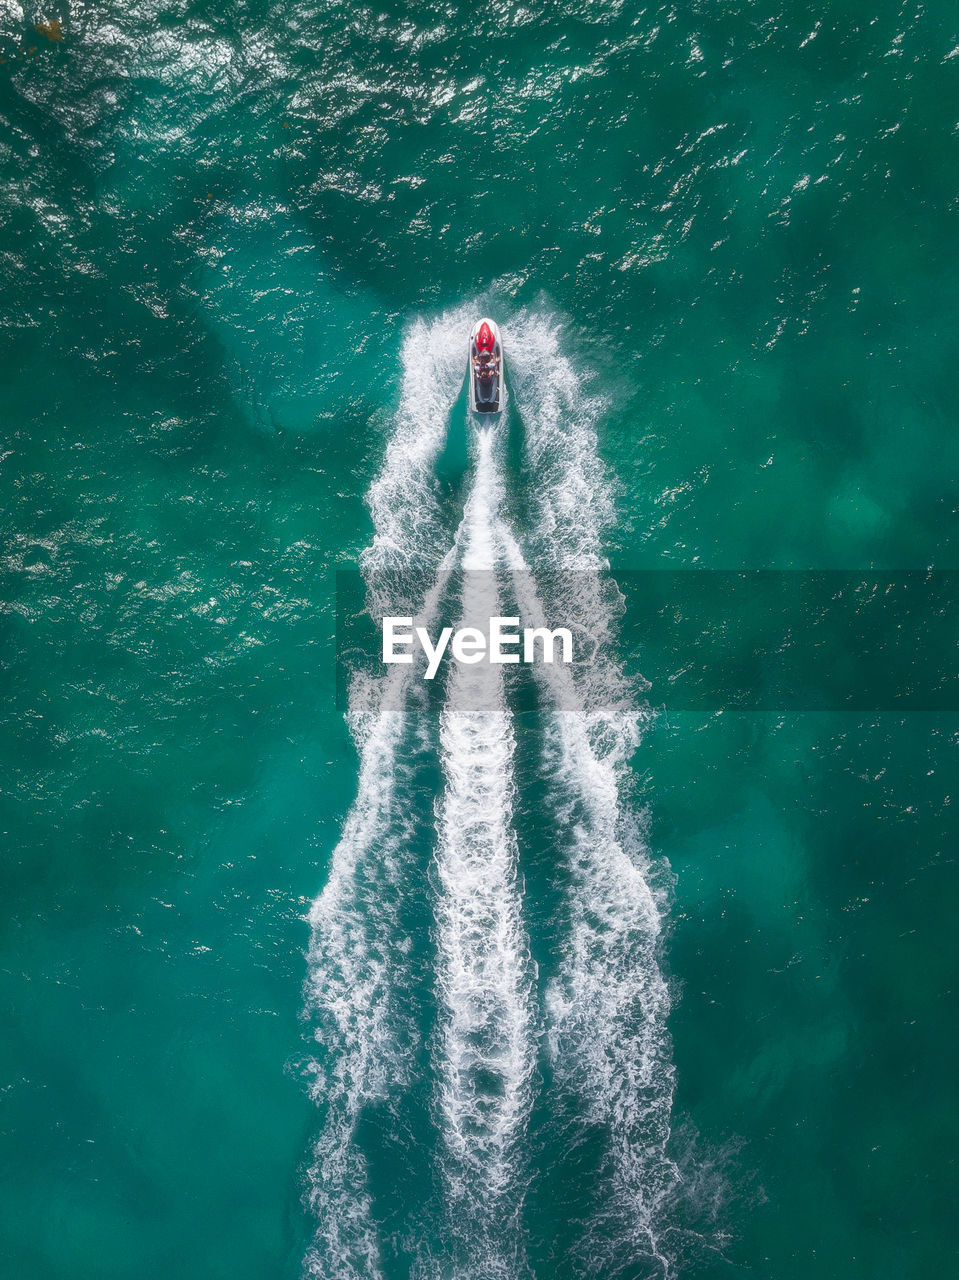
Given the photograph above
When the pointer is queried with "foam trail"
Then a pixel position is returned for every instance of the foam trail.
(485, 1049)
(353, 956)
(607, 1005)
(408, 532)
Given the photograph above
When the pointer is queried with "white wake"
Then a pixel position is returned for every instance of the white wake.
(485, 1044)
(365, 1036)
(608, 1002)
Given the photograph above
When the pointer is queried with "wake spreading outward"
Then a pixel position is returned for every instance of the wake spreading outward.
(468, 1034)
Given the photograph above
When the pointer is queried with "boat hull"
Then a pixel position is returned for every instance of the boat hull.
(487, 393)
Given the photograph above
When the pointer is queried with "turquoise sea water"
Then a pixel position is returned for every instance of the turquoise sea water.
(242, 247)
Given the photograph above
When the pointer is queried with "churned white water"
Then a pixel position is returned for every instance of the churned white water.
(485, 1045)
(354, 956)
(608, 1002)
(603, 1011)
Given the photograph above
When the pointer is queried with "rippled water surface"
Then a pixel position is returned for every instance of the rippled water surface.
(441, 990)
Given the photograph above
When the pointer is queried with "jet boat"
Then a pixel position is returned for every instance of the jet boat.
(485, 372)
